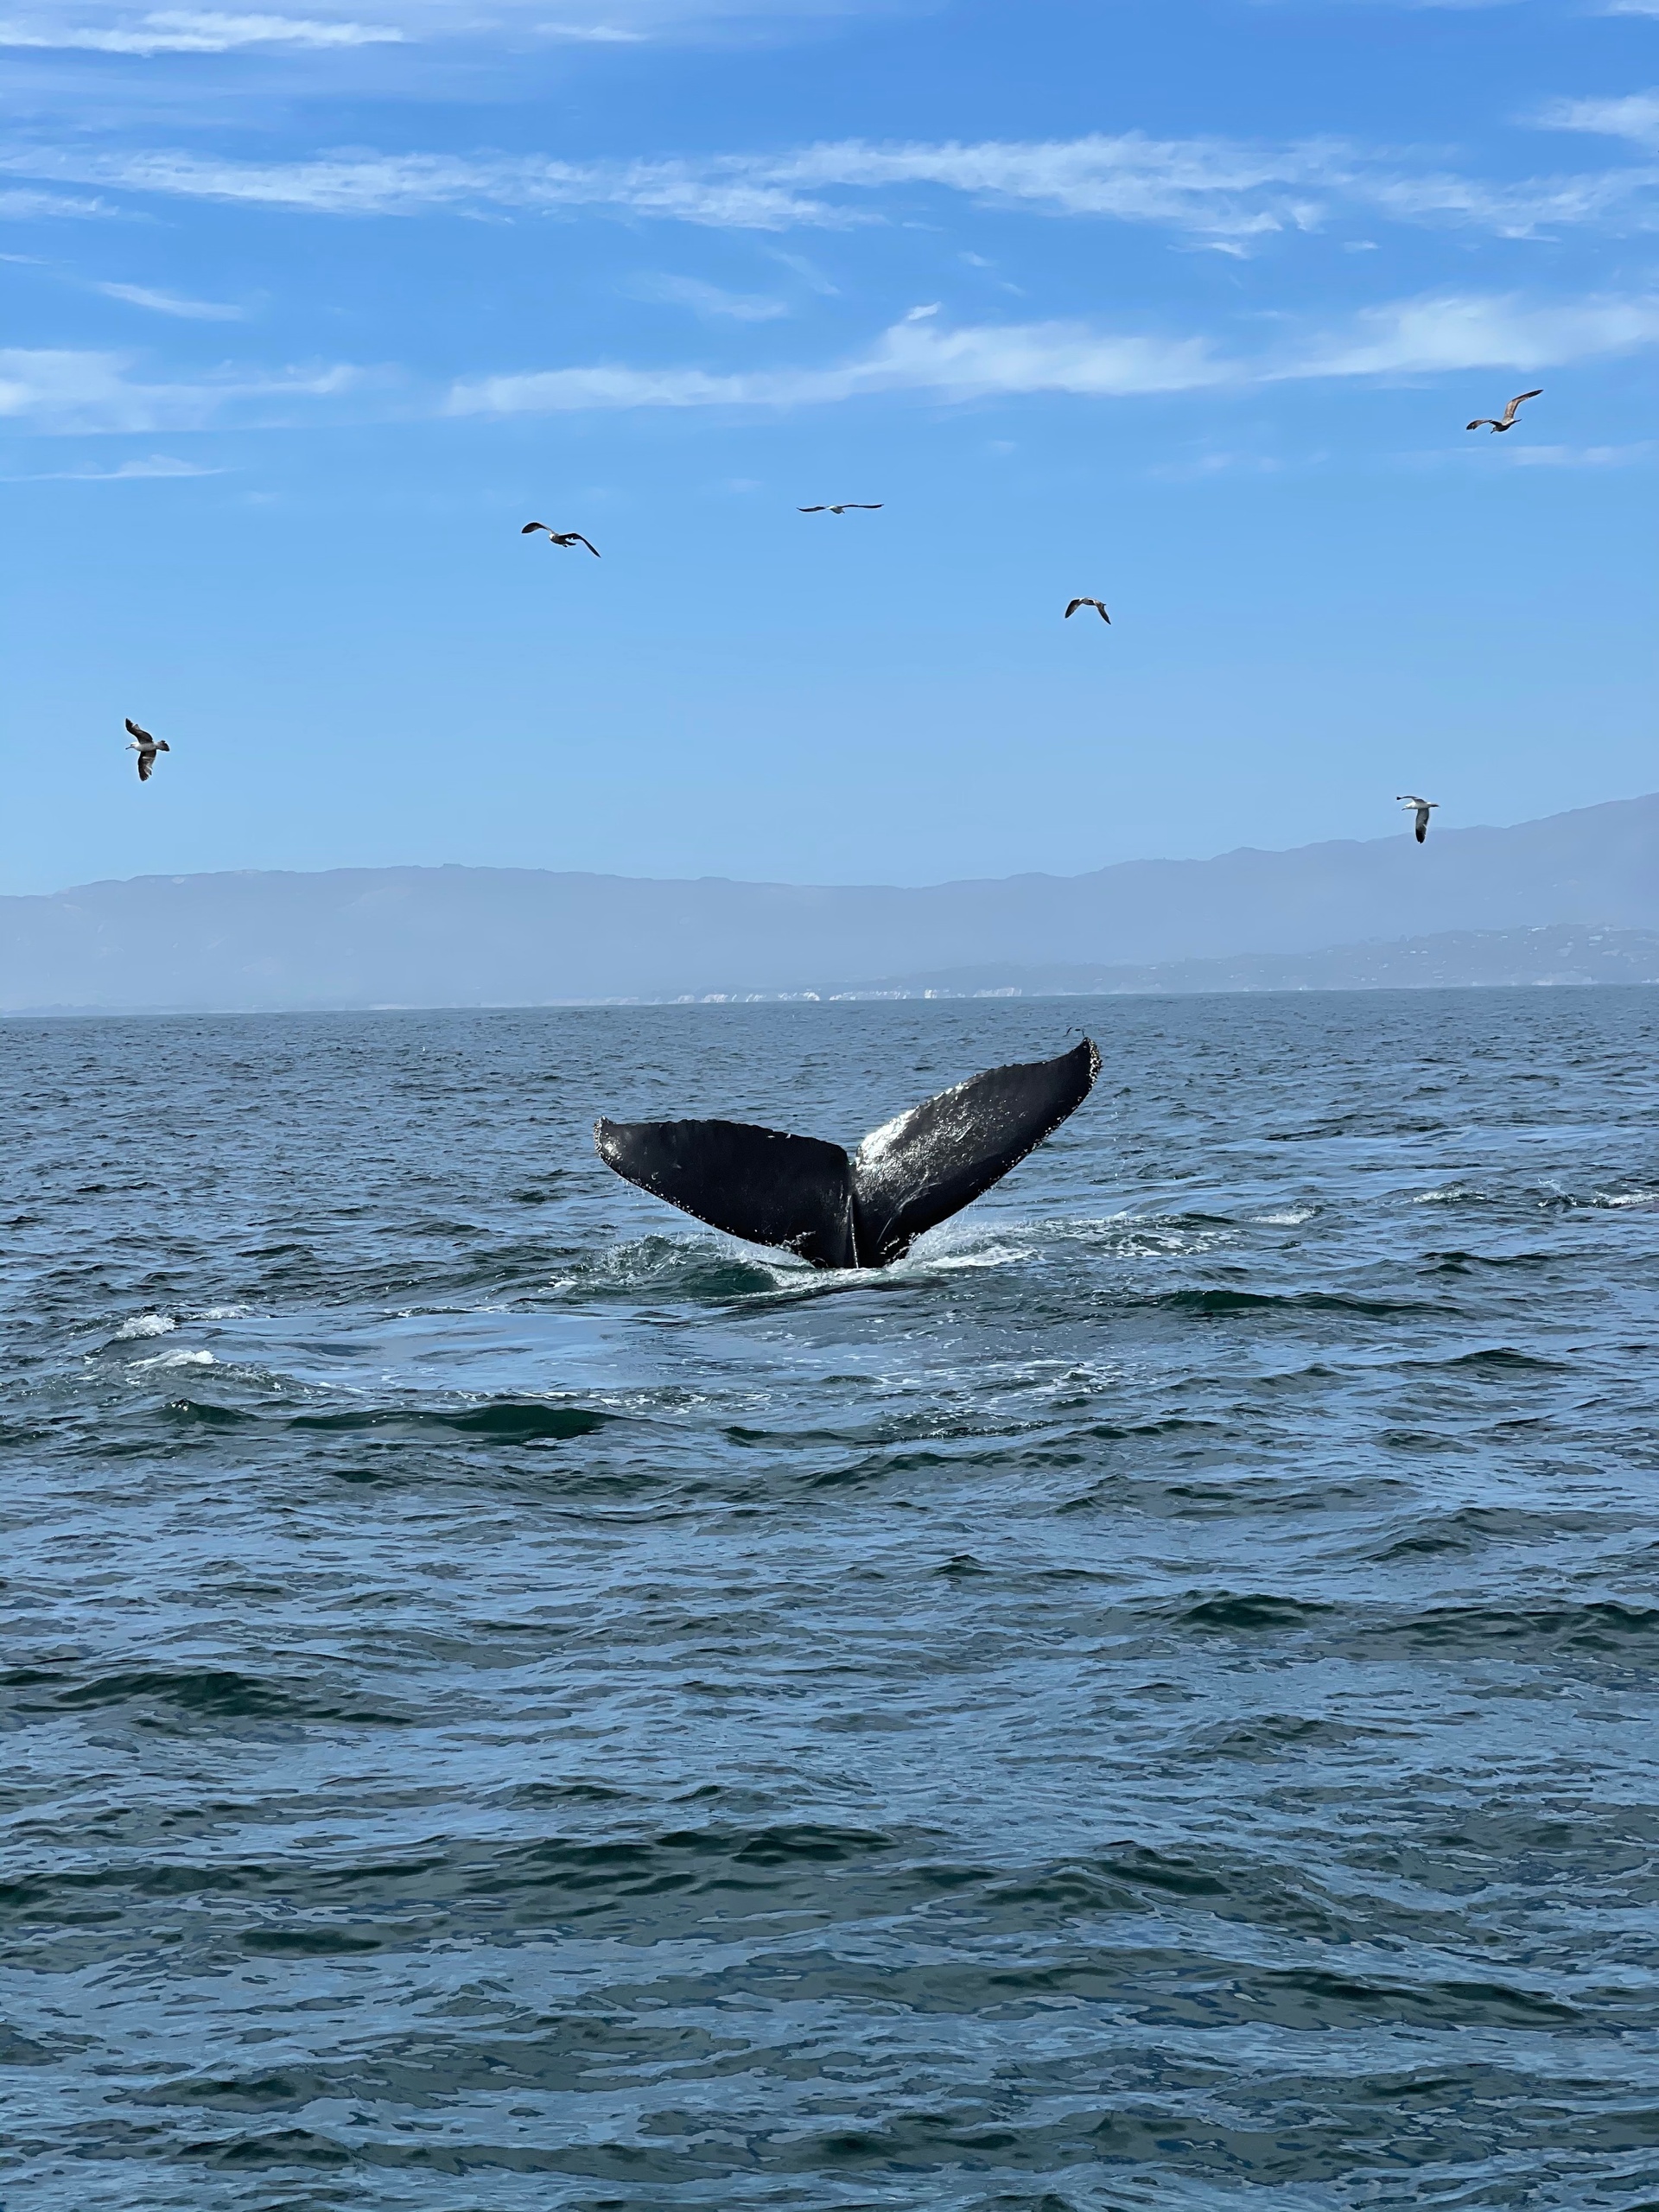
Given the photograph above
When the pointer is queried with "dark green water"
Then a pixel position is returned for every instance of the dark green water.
(514, 1702)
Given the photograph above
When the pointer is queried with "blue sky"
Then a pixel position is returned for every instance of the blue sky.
(1181, 303)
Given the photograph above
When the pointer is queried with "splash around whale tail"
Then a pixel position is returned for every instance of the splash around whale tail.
(867, 1209)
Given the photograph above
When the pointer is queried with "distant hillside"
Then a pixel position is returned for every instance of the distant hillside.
(468, 937)
(1569, 953)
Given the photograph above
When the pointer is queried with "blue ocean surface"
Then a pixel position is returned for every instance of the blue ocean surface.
(515, 1701)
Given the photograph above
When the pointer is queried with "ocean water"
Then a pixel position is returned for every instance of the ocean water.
(513, 1701)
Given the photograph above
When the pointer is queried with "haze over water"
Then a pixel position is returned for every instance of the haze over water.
(515, 1701)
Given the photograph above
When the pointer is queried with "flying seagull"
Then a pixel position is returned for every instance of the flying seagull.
(1422, 808)
(560, 537)
(847, 507)
(1485, 421)
(146, 747)
(1094, 603)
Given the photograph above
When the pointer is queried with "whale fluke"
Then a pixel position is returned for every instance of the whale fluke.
(865, 1210)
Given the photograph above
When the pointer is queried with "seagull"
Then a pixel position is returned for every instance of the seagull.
(1485, 421)
(560, 537)
(146, 747)
(847, 507)
(1094, 603)
(1422, 808)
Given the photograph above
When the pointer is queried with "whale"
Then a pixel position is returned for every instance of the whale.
(863, 1209)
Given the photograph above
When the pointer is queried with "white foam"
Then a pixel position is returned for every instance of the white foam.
(1634, 1198)
(982, 1255)
(1291, 1220)
(178, 1359)
(147, 1324)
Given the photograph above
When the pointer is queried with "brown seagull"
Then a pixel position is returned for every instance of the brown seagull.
(1485, 421)
(146, 747)
(560, 537)
(847, 507)
(1094, 603)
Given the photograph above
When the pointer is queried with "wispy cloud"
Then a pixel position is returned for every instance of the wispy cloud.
(183, 30)
(1408, 338)
(592, 34)
(64, 390)
(140, 295)
(1445, 331)
(1630, 456)
(709, 301)
(158, 465)
(410, 184)
(1213, 189)
(58, 389)
(964, 364)
(23, 205)
(1635, 117)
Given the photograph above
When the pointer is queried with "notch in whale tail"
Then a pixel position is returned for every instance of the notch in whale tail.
(865, 1210)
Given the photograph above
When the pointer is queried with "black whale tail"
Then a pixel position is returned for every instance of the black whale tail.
(866, 1211)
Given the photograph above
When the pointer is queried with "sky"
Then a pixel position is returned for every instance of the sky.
(1181, 303)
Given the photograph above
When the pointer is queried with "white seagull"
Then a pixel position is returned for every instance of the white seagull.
(559, 536)
(1506, 421)
(1094, 603)
(146, 747)
(847, 507)
(1422, 808)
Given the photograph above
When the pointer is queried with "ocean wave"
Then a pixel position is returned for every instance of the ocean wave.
(145, 1325)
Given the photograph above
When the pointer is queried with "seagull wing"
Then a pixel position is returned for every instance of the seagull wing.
(529, 526)
(146, 762)
(577, 539)
(142, 735)
(1100, 610)
(1483, 422)
(1508, 412)
(809, 510)
(866, 506)
(1075, 604)
(1422, 824)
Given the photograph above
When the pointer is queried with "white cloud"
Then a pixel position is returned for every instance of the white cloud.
(159, 464)
(1635, 117)
(966, 364)
(182, 30)
(1227, 193)
(1459, 331)
(1409, 338)
(57, 390)
(410, 184)
(1630, 456)
(706, 300)
(105, 26)
(140, 295)
(64, 390)
(23, 206)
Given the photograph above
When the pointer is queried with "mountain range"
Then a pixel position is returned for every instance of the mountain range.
(1316, 916)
